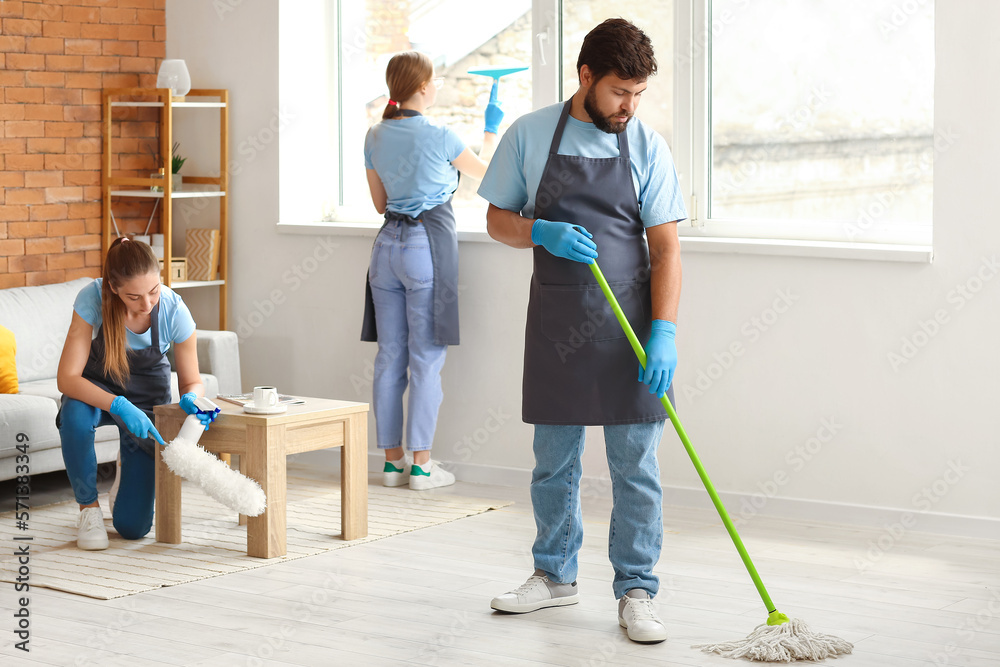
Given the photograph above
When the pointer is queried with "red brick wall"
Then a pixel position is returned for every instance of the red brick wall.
(55, 57)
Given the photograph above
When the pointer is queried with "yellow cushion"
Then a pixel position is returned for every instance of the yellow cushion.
(8, 369)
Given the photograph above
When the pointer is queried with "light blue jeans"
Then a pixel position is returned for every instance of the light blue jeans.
(402, 276)
(636, 533)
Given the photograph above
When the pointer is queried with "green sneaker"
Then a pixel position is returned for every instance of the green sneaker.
(429, 476)
(396, 473)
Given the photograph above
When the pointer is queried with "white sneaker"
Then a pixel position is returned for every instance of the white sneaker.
(113, 491)
(396, 473)
(536, 593)
(90, 533)
(429, 476)
(636, 614)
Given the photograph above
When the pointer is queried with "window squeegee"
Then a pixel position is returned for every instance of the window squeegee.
(495, 73)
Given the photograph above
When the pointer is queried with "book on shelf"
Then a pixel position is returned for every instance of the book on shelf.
(247, 399)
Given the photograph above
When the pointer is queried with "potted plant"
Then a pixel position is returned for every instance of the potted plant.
(176, 163)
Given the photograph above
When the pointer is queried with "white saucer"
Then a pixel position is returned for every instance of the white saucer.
(276, 410)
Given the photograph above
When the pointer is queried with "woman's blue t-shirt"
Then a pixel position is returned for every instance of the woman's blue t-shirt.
(413, 158)
(176, 323)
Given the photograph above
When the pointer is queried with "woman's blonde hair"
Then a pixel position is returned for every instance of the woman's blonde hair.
(405, 74)
(126, 260)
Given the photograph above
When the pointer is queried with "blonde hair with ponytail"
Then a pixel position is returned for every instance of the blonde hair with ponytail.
(126, 260)
(405, 74)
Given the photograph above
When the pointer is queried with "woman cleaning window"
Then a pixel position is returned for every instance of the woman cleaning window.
(412, 291)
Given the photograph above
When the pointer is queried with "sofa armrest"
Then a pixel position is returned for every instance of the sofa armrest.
(219, 355)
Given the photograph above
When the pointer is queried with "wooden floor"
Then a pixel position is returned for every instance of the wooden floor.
(422, 598)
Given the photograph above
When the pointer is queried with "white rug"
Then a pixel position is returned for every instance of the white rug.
(213, 543)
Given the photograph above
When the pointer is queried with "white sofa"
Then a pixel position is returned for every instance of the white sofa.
(40, 318)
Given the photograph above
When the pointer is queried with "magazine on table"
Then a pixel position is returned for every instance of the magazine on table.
(247, 399)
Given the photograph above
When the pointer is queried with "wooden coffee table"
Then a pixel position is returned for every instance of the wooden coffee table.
(262, 443)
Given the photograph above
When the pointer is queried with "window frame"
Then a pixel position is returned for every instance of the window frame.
(692, 150)
(690, 147)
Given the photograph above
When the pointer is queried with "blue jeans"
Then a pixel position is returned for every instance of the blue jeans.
(133, 510)
(636, 533)
(402, 276)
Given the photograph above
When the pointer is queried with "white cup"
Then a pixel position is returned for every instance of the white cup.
(265, 397)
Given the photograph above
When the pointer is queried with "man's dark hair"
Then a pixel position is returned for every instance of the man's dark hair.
(617, 47)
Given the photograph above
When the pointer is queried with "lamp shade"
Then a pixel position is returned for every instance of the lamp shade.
(174, 75)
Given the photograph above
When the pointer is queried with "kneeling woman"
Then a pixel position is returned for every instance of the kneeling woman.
(117, 377)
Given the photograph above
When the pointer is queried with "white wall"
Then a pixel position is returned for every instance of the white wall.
(898, 430)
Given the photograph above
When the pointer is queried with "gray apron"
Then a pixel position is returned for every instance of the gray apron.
(578, 365)
(148, 383)
(443, 240)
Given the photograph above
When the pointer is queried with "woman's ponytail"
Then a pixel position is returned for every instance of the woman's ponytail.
(126, 259)
(405, 74)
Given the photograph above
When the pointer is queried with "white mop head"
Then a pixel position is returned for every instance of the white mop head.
(782, 643)
(235, 491)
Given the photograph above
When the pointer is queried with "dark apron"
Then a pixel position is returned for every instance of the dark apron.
(578, 365)
(443, 240)
(148, 383)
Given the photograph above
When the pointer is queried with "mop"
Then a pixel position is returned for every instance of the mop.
(779, 639)
(187, 459)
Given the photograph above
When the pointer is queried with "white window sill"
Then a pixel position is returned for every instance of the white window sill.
(469, 231)
(882, 252)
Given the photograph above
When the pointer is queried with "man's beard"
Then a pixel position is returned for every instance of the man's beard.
(601, 122)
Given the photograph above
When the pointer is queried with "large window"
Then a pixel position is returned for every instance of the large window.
(813, 120)
(332, 73)
(788, 119)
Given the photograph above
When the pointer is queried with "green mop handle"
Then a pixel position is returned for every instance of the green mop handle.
(639, 352)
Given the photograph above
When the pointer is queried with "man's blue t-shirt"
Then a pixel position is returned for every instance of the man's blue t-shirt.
(176, 323)
(413, 158)
(516, 168)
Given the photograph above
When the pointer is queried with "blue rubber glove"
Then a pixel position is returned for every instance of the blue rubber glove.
(564, 240)
(188, 406)
(135, 419)
(494, 114)
(661, 358)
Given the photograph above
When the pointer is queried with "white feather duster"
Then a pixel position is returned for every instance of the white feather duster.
(187, 459)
